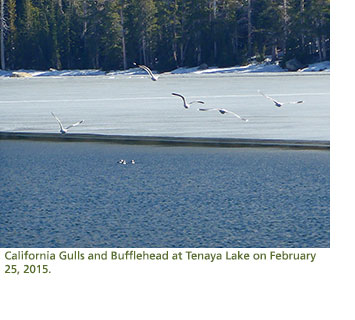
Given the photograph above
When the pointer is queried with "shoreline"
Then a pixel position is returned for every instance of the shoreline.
(252, 68)
(169, 141)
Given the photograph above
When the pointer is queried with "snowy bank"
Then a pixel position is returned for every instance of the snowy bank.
(52, 73)
(320, 66)
(251, 68)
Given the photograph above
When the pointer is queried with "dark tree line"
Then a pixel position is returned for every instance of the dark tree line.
(164, 34)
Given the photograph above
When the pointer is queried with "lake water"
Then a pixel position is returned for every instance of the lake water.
(135, 105)
(66, 194)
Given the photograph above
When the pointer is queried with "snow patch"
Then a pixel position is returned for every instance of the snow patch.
(129, 72)
(254, 67)
(71, 73)
(183, 70)
(4, 73)
(251, 68)
(55, 73)
(319, 66)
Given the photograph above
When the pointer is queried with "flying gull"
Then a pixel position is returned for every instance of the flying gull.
(145, 68)
(223, 111)
(186, 105)
(65, 130)
(278, 103)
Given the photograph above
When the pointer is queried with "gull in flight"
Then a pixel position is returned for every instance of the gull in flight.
(65, 130)
(186, 105)
(146, 69)
(278, 103)
(223, 111)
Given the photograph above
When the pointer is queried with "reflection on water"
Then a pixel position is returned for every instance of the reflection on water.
(77, 195)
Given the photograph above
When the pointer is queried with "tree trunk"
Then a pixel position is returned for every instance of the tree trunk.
(174, 48)
(85, 25)
(11, 34)
(2, 34)
(302, 22)
(235, 40)
(198, 55)
(123, 40)
(174, 42)
(182, 57)
(319, 49)
(96, 60)
(183, 50)
(83, 37)
(274, 52)
(285, 18)
(143, 51)
(60, 4)
(323, 46)
(249, 28)
(214, 31)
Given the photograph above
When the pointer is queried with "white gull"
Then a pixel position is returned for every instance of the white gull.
(65, 130)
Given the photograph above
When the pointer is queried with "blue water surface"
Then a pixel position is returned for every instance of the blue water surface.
(75, 194)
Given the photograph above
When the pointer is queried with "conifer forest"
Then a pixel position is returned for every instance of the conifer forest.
(163, 34)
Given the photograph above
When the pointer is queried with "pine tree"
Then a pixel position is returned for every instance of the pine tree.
(123, 33)
(163, 34)
(2, 33)
(309, 33)
(111, 39)
(11, 37)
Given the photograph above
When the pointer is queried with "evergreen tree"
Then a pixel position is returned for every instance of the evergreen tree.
(164, 34)
(2, 34)
(141, 27)
(11, 37)
(309, 34)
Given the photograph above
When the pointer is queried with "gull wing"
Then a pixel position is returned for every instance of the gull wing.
(60, 124)
(223, 111)
(141, 67)
(74, 124)
(295, 102)
(207, 109)
(237, 115)
(145, 68)
(267, 97)
(181, 96)
(148, 70)
(263, 94)
(196, 101)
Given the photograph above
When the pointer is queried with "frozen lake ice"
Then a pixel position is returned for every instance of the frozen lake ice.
(172, 197)
(135, 105)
